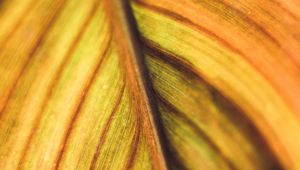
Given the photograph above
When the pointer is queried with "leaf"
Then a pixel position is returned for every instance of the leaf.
(200, 85)
(69, 99)
(236, 91)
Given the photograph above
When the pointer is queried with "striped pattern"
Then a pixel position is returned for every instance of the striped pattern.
(226, 75)
(75, 90)
(66, 99)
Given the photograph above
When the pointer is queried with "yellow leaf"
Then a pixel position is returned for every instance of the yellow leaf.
(149, 84)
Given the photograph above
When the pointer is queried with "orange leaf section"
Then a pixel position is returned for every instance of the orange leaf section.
(246, 51)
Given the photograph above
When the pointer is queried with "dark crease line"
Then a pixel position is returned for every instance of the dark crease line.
(172, 59)
(103, 135)
(79, 107)
(26, 64)
(197, 130)
(143, 81)
(190, 72)
(53, 85)
(177, 163)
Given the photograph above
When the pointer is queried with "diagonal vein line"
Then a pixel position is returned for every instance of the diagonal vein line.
(128, 40)
(77, 112)
(32, 53)
(58, 74)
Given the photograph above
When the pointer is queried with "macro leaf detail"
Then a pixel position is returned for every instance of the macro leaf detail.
(149, 84)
